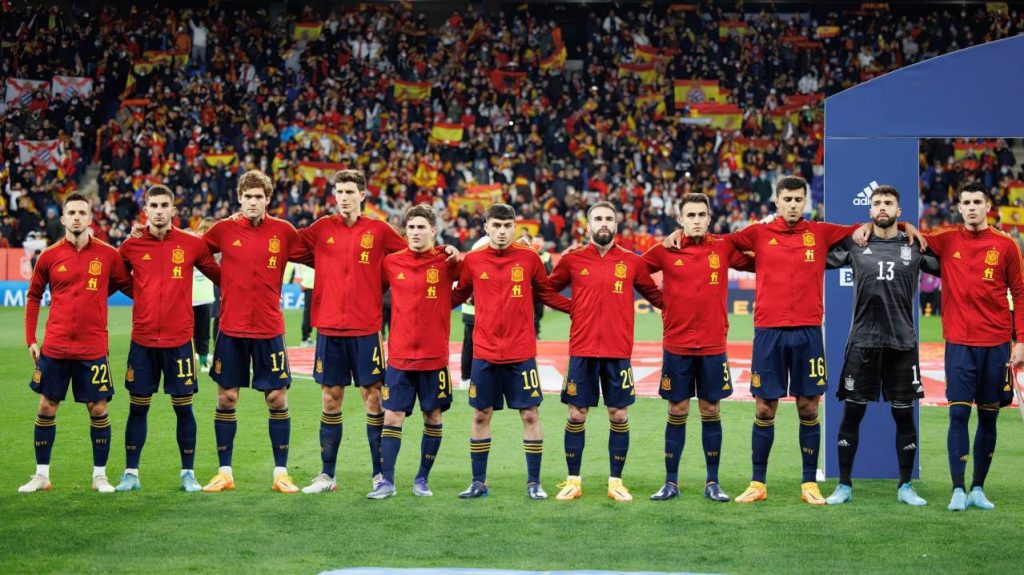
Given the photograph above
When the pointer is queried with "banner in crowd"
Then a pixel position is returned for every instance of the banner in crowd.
(477, 198)
(722, 116)
(695, 92)
(1015, 191)
(644, 72)
(71, 86)
(426, 175)
(15, 294)
(221, 159)
(505, 82)
(964, 150)
(411, 91)
(445, 133)
(310, 170)
(732, 30)
(824, 32)
(1011, 218)
(555, 60)
(652, 54)
(307, 31)
(49, 153)
(19, 91)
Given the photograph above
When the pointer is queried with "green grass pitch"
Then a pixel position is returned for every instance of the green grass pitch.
(162, 530)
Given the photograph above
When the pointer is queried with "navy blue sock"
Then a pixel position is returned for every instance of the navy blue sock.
(810, 444)
(534, 449)
(984, 444)
(390, 444)
(762, 437)
(618, 447)
(44, 436)
(135, 429)
(675, 440)
(958, 441)
(99, 431)
(429, 446)
(906, 440)
(330, 440)
(280, 428)
(374, 425)
(225, 423)
(575, 439)
(479, 449)
(849, 438)
(186, 430)
(711, 439)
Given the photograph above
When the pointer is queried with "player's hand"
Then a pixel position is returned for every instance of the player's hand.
(572, 248)
(767, 219)
(915, 235)
(33, 350)
(453, 253)
(672, 240)
(860, 237)
(1017, 356)
(137, 229)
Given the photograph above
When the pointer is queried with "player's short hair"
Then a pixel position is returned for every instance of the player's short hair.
(602, 204)
(500, 212)
(420, 211)
(255, 179)
(886, 190)
(695, 198)
(974, 186)
(357, 177)
(791, 184)
(77, 197)
(159, 190)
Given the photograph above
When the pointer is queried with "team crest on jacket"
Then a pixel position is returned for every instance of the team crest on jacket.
(991, 257)
(433, 276)
(714, 261)
(905, 254)
(621, 270)
(95, 267)
(366, 242)
(808, 239)
(275, 245)
(177, 256)
(517, 274)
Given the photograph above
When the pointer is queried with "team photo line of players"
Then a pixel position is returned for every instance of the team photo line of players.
(360, 258)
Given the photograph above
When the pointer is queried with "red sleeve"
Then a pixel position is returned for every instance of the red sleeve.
(454, 266)
(559, 277)
(120, 279)
(741, 261)
(647, 288)
(652, 258)
(212, 237)
(36, 287)
(744, 239)
(542, 288)
(835, 233)
(297, 251)
(124, 252)
(393, 242)
(384, 285)
(308, 236)
(464, 289)
(207, 263)
(937, 241)
(1015, 280)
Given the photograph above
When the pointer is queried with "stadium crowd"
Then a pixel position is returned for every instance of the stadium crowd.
(558, 115)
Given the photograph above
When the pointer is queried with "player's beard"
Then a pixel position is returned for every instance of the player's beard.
(884, 222)
(603, 238)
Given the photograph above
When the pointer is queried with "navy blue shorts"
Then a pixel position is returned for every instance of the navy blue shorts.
(590, 377)
(704, 376)
(494, 384)
(340, 361)
(788, 361)
(401, 388)
(978, 374)
(232, 357)
(146, 364)
(90, 379)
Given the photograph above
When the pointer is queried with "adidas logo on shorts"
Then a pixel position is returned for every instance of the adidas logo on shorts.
(843, 443)
(864, 197)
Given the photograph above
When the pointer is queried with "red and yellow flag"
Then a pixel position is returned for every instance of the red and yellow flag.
(722, 116)
(644, 72)
(307, 31)
(221, 159)
(1015, 192)
(309, 170)
(1011, 217)
(445, 133)
(696, 92)
(828, 32)
(732, 30)
(426, 175)
(411, 91)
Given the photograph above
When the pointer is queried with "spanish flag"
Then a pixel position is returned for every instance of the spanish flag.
(695, 92)
(443, 132)
(556, 61)
(307, 31)
(222, 159)
(426, 175)
(477, 33)
(531, 226)
(644, 72)
(722, 116)
(374, 212)
(651, 54)
(732, 30)
(1015, 191)
(1011, 217)
(411, 91)
(828, 32)
(157, 57)
(308, 170)
(143, 67)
